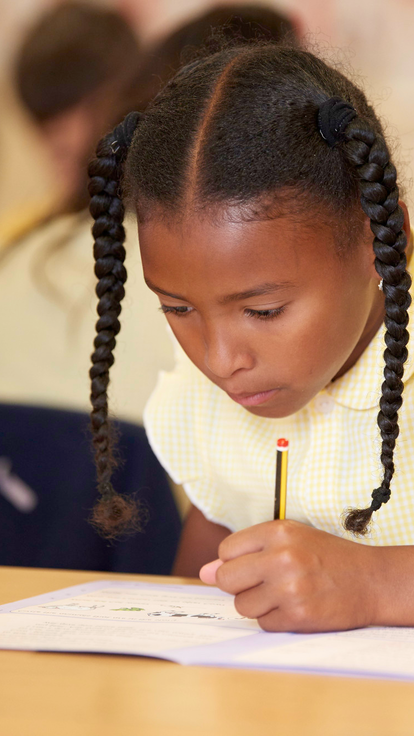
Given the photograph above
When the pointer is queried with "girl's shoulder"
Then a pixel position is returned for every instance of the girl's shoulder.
(174, 418)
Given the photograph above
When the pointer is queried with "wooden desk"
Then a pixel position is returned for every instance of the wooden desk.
(47, 694)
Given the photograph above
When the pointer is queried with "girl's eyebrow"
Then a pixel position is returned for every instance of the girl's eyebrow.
(162, 291)
(261, 290)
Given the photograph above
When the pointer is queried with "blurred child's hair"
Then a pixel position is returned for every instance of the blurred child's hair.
(72, 53)
(69, 52)
(241, 129)
(206, 34)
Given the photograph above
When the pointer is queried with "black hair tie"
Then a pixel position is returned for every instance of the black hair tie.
(124, 132)
(333, 117)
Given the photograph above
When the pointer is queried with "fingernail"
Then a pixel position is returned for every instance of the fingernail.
(208, 572)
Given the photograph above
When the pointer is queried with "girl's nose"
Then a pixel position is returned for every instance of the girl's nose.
(225, 354)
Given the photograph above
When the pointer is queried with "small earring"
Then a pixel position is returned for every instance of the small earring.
(381, 285)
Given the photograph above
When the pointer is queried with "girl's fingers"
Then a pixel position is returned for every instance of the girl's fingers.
(247, 541)
(237, 575)
(256, 603)
(207, 573)
(260, 536)
(240, 574)
(274, 621)
(278, 620)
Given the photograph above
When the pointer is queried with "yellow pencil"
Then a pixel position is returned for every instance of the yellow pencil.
(281, 478)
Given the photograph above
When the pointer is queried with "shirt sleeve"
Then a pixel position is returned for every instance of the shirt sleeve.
(177, 420)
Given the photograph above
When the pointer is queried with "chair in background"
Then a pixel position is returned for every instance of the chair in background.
(48, 487)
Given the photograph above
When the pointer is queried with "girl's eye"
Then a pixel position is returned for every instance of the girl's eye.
(179, 311)
(264, 313)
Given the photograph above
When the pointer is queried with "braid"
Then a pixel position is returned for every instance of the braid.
(368, 152)
(113, 514)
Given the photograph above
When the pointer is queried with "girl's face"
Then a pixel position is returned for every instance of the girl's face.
(268, 311)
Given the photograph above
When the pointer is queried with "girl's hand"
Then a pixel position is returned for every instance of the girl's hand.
(292, 577)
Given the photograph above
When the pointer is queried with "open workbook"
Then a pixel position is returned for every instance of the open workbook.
(193, 624)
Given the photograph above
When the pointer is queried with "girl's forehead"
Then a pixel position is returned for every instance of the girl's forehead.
(199, 243)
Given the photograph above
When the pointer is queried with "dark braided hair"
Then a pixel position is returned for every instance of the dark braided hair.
(114, 513)
(257, 128)
(368, 152)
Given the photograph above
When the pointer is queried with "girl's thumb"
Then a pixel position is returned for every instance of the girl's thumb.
(208, 572)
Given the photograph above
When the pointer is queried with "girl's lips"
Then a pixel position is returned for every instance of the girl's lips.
(253, 399)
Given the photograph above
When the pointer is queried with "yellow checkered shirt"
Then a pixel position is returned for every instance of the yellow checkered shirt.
(225, 457)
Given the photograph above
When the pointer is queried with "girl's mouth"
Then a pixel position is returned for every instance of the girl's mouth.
(253, 399)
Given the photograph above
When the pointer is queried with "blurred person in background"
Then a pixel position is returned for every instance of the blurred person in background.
(28, 188)
(75, 75)
(46, 277)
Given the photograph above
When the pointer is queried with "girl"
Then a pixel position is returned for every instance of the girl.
(259, 177)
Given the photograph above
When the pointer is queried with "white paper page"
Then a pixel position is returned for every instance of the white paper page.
(147, 619)
(385, 651)
(143, 604)
(49, 633)
(194, 625)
